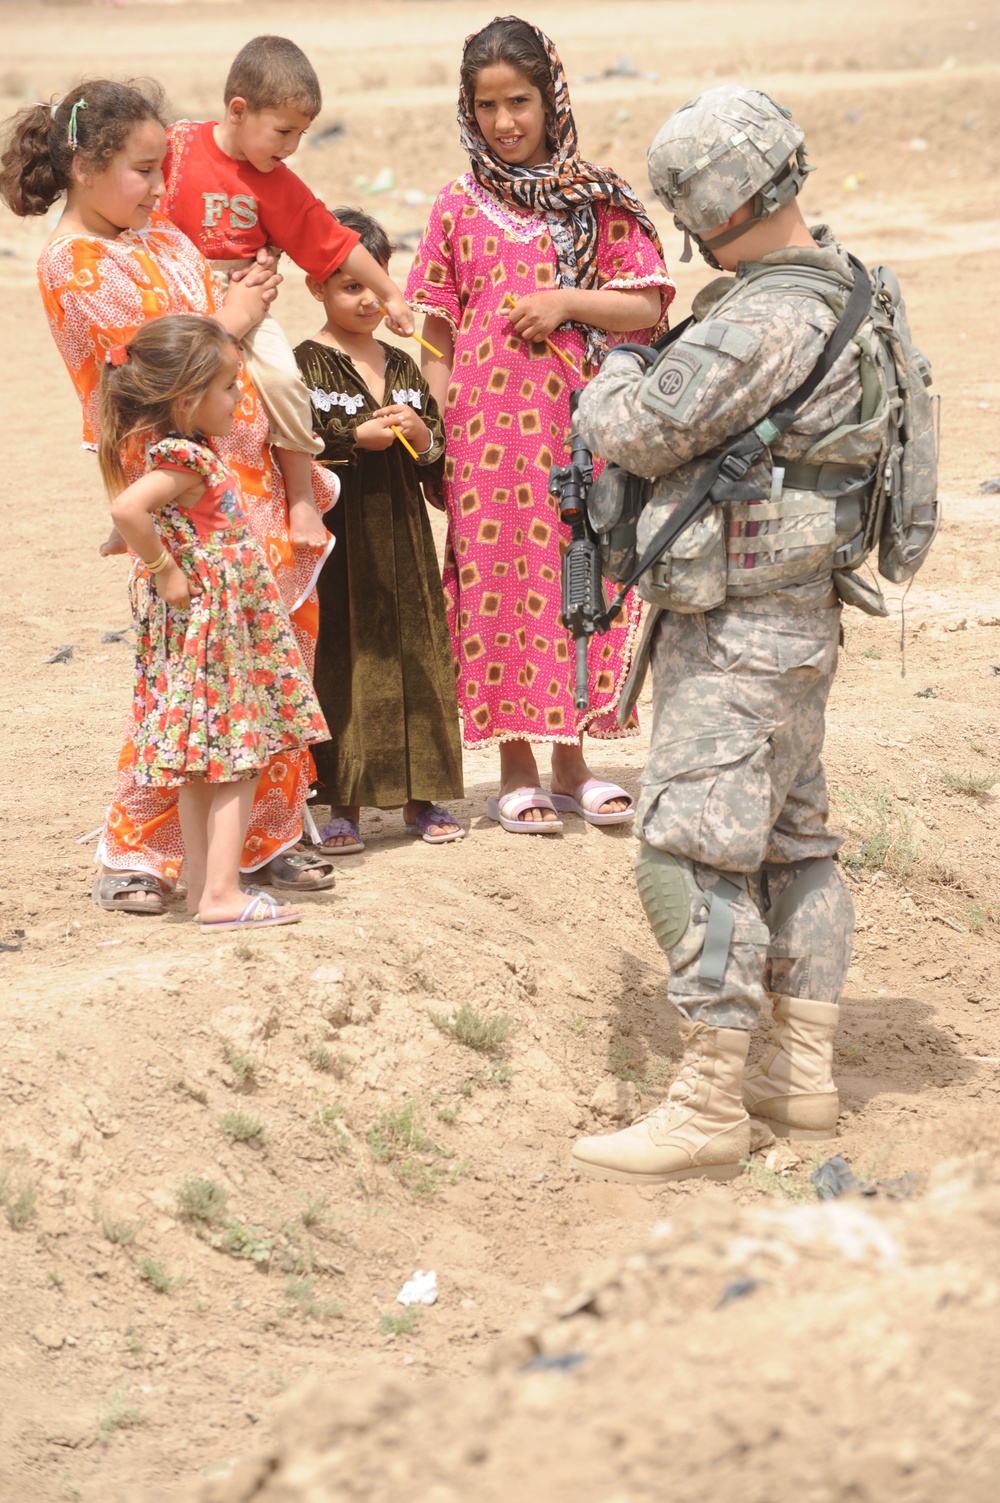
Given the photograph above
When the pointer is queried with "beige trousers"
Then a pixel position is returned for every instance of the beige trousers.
(269, 359)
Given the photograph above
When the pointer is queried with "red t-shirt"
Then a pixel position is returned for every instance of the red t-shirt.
(230, 209)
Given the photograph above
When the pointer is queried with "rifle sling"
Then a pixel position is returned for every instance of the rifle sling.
(750, 445)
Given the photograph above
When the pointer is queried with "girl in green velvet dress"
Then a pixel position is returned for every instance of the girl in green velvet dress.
(384, 673)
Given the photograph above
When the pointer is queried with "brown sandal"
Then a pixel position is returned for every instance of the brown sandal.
(289, 869)
(117, 892)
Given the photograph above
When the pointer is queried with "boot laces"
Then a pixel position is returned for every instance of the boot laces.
(683, 1089)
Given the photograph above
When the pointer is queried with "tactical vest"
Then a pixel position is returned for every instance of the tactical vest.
(870, 481)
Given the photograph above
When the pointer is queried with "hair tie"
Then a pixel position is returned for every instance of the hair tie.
(71, 131)
(117, 355)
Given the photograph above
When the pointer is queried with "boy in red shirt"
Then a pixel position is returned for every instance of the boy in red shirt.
(230, 192)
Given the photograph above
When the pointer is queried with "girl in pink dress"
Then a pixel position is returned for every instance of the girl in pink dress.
(532, 256)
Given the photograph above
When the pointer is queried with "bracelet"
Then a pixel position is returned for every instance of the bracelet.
(159, 564)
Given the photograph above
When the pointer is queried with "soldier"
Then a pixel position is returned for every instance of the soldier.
(736, 867)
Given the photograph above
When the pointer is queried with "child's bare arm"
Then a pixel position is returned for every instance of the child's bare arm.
(132, 514)
(436, 370)
(369, 273)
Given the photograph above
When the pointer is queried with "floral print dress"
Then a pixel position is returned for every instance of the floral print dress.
(506, 423)
(221, 687)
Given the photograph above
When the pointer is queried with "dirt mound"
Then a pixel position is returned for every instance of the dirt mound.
(826, 1352)
(219, 1163)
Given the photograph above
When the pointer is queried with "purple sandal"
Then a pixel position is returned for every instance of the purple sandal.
(339, 827)
(435, 814)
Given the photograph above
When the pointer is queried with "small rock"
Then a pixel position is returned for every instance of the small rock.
(49, 1337)
(782, 1158)
(990, 487)
(616, 1099)
(761, 1135)
(102, 1114)
(71, 1431)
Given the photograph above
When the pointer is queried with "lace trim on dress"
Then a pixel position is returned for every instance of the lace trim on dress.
(326, 401)
(629, 283)
(406, 396)
(421, 300)
(522, 227)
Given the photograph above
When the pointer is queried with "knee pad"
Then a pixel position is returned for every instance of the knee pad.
(685, 920)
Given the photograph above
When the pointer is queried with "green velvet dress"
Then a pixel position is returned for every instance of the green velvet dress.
(384, 674)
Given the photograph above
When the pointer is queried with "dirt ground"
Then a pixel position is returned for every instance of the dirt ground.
(152, 1326)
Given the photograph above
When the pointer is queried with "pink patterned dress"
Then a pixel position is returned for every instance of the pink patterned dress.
(506, 423)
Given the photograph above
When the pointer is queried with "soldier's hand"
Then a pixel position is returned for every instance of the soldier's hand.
(535, 316)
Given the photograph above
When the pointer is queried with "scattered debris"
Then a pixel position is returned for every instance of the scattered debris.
(383, 182)
(836, 1178)
(929, 693)
(561, 1362)
(18, 942)
(990, 487)
(917, 143)
(117, 636)
(414, 197)
(62, 654)
(422, 1289)
(852, 182)
(738, 1289)
(328, 133)
(623, 68)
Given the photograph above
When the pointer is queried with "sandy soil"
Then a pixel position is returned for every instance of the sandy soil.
(388, 1145)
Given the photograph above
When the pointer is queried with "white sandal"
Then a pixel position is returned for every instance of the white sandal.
(506, 808)
(588, 798)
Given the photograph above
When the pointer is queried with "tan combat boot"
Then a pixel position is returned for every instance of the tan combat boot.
(701, 1130)
(792, 1089)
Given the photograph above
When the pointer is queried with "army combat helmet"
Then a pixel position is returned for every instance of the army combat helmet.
(727, 147)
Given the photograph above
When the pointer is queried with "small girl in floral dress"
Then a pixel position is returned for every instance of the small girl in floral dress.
(220, 684)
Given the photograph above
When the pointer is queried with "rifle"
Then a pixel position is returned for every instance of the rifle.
(582, 587)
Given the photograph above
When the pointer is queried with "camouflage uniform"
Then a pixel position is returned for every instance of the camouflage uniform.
(734, 781)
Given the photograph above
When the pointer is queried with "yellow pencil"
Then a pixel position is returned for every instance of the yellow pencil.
(417, 337)
(426, 346)
(406, 444)
(553, 347)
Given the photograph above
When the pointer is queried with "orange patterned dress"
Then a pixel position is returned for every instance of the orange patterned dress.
(96, 294)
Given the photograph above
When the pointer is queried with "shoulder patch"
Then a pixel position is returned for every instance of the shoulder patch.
(730, 339)
(685, 371)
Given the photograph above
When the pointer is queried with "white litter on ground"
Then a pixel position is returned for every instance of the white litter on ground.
(422, 1289)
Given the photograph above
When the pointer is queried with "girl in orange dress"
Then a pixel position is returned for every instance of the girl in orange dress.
(112, 264)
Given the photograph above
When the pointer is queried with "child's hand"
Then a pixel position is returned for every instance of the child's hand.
(398, 316)
(246, 301)
(173, 586)
(374, 434)
(113, 543)
(434, 492)
(410, 424)
(536, 315)
(305, 526)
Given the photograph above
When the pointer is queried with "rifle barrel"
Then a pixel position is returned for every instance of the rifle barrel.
(581, 694)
